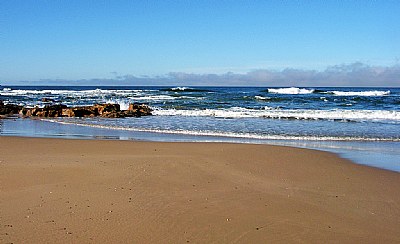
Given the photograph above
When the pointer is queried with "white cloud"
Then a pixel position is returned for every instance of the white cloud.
(355, 74)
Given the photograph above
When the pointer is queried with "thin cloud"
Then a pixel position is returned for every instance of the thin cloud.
(355, 74)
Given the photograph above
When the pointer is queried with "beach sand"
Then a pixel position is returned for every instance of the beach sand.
(88, 191)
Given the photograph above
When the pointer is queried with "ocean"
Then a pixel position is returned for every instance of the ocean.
(362, 124)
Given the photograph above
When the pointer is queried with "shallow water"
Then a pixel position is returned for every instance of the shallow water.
(381, 154)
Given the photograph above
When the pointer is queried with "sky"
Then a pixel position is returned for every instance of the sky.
(188, 42)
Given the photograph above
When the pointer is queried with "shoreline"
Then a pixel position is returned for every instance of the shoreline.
(112, 139)
(375, 154)
(58, 190)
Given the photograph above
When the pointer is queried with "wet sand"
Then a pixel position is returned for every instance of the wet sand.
(87, 191)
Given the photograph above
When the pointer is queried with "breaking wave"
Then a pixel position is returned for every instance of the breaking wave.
(262, 98)
(360, 93)
(291, 90)
(185, 89)
(303, 91)
(156, 97)
(299, 114)
(93, 92)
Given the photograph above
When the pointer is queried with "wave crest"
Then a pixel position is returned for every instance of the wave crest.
(360, 93)
(300, 114)
(185, 89)
(290, 91)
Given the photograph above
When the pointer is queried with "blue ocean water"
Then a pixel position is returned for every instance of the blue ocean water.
(362, 124)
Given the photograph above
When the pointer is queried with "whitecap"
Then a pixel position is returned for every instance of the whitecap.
(299, 114)
(180, 88)
(72, 93)
(291, 90)
(360, 93)
(155, 97)
(262, 98)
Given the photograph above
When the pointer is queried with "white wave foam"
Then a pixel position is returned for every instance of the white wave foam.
(180, 88)
(360, 93)
(123, 104)
(262, 98)
(156, 97)
(301, 114)
(291, 90)
(10, 92)
(73, 93)
(225, 134)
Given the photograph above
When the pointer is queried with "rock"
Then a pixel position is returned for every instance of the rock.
(59, 110)
(107, 108)
(47, 111)
(119, 114)
(67, 112)
(25, 112)
(83, 112)
(136, 110)
(103, 110)
(9, 109)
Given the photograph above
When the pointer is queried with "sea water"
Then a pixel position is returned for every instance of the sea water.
(362, 124)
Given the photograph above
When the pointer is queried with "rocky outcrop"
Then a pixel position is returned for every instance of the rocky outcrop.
(47, 111)
(9, 109)
(137, 110)
(97, 110)
(102, 110)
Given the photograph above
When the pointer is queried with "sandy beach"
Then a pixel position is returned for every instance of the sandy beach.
(88, 191)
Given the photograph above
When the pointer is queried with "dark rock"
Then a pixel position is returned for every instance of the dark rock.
(83, 112)
(119, 114)
(25, 112)
(9, 109)
(67, 112)
(103, 110)
(137, 110)
(47, 111)
(107, 108)
(59, 110)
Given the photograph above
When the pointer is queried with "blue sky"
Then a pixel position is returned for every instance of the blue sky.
(86, 40)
